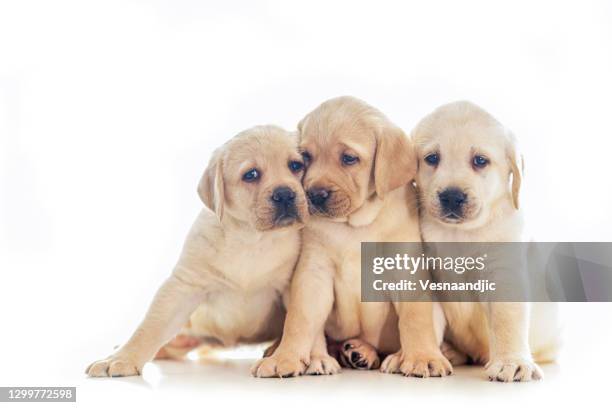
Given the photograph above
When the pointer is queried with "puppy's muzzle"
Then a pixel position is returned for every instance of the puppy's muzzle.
(284, 203)
(452, 203)
(318, 198)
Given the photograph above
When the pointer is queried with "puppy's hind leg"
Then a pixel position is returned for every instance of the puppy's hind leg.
(271, 348)
(453, 355)
(178, 347)
(170, 310)
(358, 354)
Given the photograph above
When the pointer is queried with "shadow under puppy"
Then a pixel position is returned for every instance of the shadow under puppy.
(359, 168)
(238, 258)
(469, 179)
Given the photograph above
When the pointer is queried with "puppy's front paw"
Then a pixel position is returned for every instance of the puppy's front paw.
(358, 354)
(280, 365)
(114, 366)
(417, 364)
(511, 369)
(323, 365)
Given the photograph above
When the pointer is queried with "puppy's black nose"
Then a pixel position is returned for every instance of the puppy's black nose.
(283, 195)
(318, 196)
(452, 199)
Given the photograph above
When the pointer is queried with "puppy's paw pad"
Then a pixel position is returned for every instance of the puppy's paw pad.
(513, 369)
(323, 365)
(113, 367)
(358, 354)
(421, 365)
(279, 366)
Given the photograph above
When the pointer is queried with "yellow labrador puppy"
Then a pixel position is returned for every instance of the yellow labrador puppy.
(469, 179)
(238, 257)
(358, 181)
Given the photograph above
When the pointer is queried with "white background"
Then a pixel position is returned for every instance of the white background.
(109, 111)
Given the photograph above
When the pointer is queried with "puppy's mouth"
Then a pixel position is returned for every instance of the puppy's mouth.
(453, 206)
(456, 217)
(327, 212)
(286, 217)
(338, 206)
(277, 217)
(317, 210)
(452, 217)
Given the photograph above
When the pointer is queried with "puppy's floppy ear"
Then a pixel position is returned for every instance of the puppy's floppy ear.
(395, 163)
(517, 165)
(211, 186)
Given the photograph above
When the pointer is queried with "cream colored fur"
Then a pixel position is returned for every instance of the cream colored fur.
(504, 336)
(371, 200)
(236, 262)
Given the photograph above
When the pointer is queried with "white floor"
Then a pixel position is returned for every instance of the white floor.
(60, 358)
(227, 382)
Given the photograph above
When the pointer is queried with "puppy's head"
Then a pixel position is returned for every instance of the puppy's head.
(256, 179)
(351, 152)
(468, 164)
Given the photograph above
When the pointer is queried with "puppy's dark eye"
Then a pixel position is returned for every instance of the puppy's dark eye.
(349, 160)
(480, 161)
(251, 175)
(307, 157)
(295, 166)
(432, 159)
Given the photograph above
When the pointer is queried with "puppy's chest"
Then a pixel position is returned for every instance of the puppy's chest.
(434, 233)
(507, 231)
(268, 263)
(341, 240)
(343, 245)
